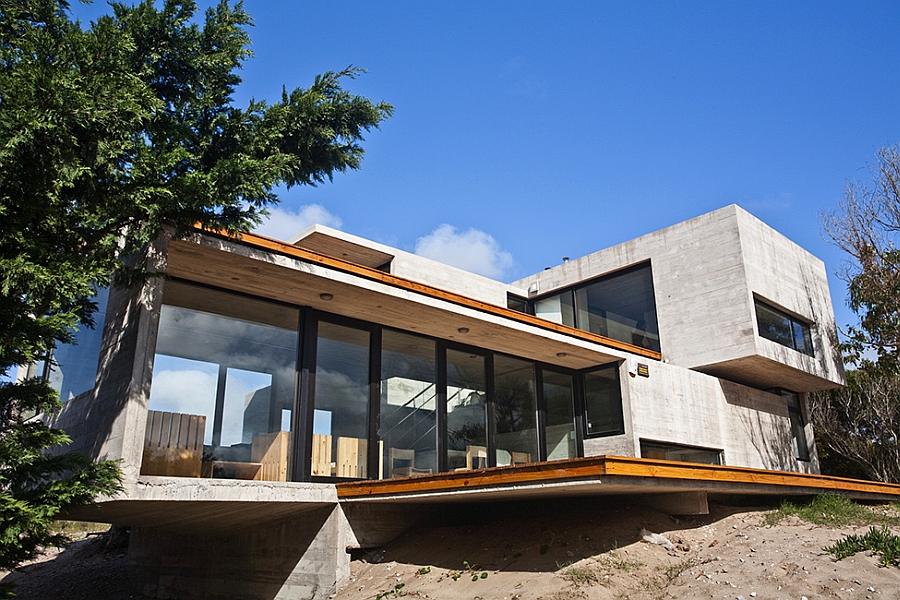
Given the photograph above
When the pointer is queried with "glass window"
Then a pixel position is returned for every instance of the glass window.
(559, 308)
(515, 411)
(517, 303)
(603, 402)
(780, 327)
(798, 425)
(223, 386)
(340, 423)
(466, 411)
(559, 396)
(621, 307)
(680, 453)
(408, 405)
(74, 366)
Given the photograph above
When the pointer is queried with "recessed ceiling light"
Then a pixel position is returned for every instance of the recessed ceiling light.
(463, 330)
(561, 354)
(326, 296)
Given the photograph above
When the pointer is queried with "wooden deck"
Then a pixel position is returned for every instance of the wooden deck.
(602, 475)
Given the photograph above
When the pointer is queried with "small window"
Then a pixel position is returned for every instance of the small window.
(781, 327)
(517, 303)
(680, 453)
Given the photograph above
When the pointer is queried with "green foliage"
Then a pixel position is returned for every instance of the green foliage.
(395, 592)
(112, 134)
(860, 425)
(828, 509)
(881, 541)
(866, 226)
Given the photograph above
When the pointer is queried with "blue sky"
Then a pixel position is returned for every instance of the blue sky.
(528, 131)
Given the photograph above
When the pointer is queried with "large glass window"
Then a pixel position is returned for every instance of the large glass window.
(781, 327)
(603, 402)
(620, 306)
(515, 411)
(466, 411)
(74, 366)
(408, 405)
(222, 394)
(341, 416)
(559, 397)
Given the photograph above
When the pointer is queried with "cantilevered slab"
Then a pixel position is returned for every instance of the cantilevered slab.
(606, 475)
(206, 505)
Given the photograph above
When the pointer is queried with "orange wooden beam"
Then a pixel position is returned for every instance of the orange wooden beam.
(598, 466)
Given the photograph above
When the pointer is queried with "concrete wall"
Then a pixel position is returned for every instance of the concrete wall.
(678, 406)
(302, 557)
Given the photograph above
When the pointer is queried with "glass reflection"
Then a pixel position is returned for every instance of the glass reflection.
(515, 411)
(559, 395)
(223, 387)
(466, 411)
(408, 405)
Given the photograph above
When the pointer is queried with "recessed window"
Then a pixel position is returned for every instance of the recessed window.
(680, 453)
(782, 328)
(620, 306)
(798, 425)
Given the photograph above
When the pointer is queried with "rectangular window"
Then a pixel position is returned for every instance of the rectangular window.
(798, 425)
(73, 369)
(340, 433)
(782, 328)
(517, 303)
(559, 398)
(466, 411)
(408, 405)
(620, 306)
(515, 411)
(680, 453)
(603, 402)
(223, 386)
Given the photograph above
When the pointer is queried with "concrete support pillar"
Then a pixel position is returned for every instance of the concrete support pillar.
(303, 557)
(677, 503)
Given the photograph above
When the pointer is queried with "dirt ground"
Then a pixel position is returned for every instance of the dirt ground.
(582, 551)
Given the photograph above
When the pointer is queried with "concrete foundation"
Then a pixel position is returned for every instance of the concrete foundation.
(302, 557)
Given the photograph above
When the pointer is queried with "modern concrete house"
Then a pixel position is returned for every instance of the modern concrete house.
(241, 388)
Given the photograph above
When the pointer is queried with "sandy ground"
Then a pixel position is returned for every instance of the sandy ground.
(582, 551)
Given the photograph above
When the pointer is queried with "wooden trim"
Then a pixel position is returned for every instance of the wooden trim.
(272, 245)
(599, 466)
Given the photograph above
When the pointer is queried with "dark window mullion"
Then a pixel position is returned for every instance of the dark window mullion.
(306, 385)
(374, 458)
(441, 404)
(541, 412)
(491, 425)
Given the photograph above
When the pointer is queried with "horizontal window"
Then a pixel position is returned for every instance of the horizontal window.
(782, 328)
(680, 453)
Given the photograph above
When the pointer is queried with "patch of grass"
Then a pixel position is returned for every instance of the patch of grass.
(616, 561)
(579, 575)
(828, 509)
(673, 571)
(880, 541)
(76, 527)
(394, 593)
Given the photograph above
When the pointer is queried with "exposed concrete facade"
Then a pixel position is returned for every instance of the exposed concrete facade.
(709, 387)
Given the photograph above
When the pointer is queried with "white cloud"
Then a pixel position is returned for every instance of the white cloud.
(282, 224)
(471, 250)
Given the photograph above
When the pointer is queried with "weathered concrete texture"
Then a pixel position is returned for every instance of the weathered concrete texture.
(678, 406)
(299, 558)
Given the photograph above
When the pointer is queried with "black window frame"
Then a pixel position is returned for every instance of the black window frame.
(793, 323)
